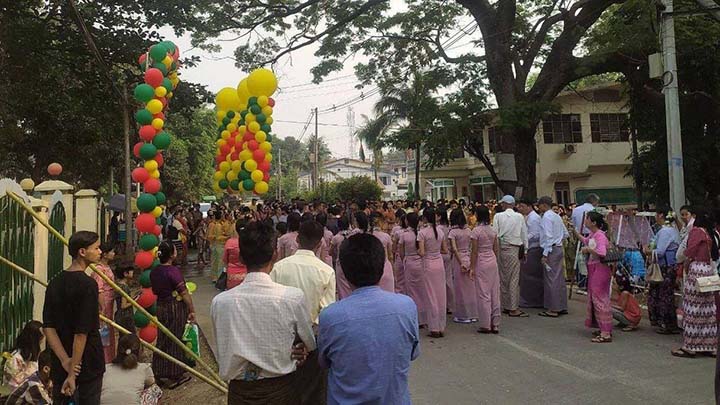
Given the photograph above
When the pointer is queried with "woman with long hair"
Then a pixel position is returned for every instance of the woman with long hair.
(413, 274)
(126, 379)
(443, 225)
(287, 244)
(699, 319)
(236, 270)
(217, 235)
(325, 255)
(395, 234)
(174, 308)
(465, 293)
(599, 310)
(342, 286)
(431, 246)
(23, 360)
(387, 282)
(484, 247)
(106, 296)
(661, 296)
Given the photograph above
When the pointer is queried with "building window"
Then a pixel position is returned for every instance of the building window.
(609, 127)
(494, 140)
(384, 180)
(562, 128)
(458, 153)
(562, 193)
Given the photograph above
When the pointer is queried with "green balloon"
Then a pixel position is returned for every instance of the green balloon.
(160, 197)
(252, 100)
(266, 128)
(261, 118)
(155, 263)
(235, 184)
(161, 140)
(167, 84)
(243, 113)
(223, 184)
(148, 241)
(248, 184)
(225, 121)
(268, 138)
(158, 52)
(255, 109)
(158, 220)
(230, 114)
(159, 66)
(244, 174)
(148, 151)
(140, 319)
(153, 309)
(143, 117)
(144, 93)
(169, 45)
(146, 202)
(144, 279)
(242, 165)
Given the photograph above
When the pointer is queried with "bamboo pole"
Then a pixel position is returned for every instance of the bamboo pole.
(124, 331)
(119, 290)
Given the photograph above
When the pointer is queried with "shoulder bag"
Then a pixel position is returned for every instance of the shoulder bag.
(654, 274)
(709, 283)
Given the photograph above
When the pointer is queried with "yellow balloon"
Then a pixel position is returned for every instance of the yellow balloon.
(261, 187)
(268, 157)
(269, 120)
(262, 82)
(267, 110)
(256, 176)
(250, 117)
(221, 114)
(225, 134)
(216, 188)
(263, 101)
(155, 174)
(220, 142)
(244, 155)
(254, 127)
(160, 91)
(224, 167)
(231, 127)
(227, 99)
(250, 165)
(167, 61)
(260, 136)
(154, 106)
(236, 165)
(27, 184)
(158, 123)
(266, 147)
(228, 158)
(242, 129)
(170, 94)
(151, 165)
(154, 250)
(217, 176)
(235, 119)
(157, 212)
(231, 175)
(243, 92)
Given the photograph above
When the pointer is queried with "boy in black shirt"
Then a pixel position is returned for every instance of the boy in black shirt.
(71, 323)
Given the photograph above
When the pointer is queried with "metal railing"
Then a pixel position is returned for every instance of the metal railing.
(56, 249)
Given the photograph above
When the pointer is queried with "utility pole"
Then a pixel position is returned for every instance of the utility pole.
(129, 234)
(676, 176)
(279, 193)
(316, 151)
(637, 173)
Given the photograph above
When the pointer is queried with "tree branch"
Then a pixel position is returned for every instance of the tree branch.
(449, 59)
(711, 7)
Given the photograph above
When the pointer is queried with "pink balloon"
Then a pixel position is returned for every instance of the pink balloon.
(54, 169)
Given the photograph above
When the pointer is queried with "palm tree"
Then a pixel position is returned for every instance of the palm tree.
(413, 109)
(373, 134)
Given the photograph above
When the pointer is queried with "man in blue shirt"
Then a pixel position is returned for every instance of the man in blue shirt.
(368, 339)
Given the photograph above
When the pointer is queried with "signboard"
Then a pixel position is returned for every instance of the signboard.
(608, 196)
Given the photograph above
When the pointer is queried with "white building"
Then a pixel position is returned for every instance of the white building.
(345, 168)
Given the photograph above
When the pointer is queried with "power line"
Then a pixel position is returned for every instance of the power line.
(319, 123)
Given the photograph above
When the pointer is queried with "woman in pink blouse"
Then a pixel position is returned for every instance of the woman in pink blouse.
(599, 309)
(236, 270)
(107, 295)
(287, 245)
(431, 246)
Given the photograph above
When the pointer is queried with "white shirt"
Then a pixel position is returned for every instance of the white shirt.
(534, 229)
(511, 228)
(578, 214)
(124, 387)
(256, 323)
(314, 277)
(553, 231)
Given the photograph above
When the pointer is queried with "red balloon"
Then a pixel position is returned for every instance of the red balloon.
(235, 155)
(249, 136)
(259, 155)
(252, 144)
(219, 159)
(141, 59)
(140, 175)
(225, 149)
(145, 223)
(264, 166)
(159, 159)
(154, 77)
(230, 141)
(148, 333)
(144, 260)
(271, 102)
(147, 133)
(176, 55)
(163, 100)
(136, 149)
(266, 177)
(152, 186)
(147, 298)
(159, 115)
(157, 231)
(54, 169)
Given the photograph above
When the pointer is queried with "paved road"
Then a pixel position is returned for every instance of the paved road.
(542, 361)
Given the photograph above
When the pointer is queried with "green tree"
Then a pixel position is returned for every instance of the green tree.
(373, 134)
(360, 188)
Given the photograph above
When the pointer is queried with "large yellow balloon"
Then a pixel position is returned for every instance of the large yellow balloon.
(227, 99)
(154, 106)
(151, 165)
(256, 176)
(243, 92)
(262, 82)
(250, 165)
(261, 187)
(224, 167)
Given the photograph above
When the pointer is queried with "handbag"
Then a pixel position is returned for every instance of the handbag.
(612, 255)
(709, 283)
(654, 272)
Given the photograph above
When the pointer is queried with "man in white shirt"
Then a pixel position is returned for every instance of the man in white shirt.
(531, 269)
(256, 326)
(512, 234)
(551, 242)
(578, 218)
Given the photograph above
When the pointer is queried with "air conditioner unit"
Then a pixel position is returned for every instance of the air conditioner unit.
(570, 148)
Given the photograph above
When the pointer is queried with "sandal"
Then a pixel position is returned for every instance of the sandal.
(520, 314)
(596, 333)
(666, 331)
(629, 329)
(484, 331)
(602, 339)
(496, 331)
(549, 314)
(180, 381)
(683, 353)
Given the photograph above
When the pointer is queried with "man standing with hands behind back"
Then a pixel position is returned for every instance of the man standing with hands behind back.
(512, 234)
(71, 323)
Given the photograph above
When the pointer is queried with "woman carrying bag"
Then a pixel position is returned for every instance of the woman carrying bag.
(661, 295)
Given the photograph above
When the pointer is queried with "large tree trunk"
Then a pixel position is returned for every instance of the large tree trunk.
(417, 172)
(525, 161)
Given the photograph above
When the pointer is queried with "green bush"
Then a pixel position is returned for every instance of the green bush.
(358, 188)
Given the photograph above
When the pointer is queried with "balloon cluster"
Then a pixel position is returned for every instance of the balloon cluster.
(147, 330)
(160, 64)
(244, 145)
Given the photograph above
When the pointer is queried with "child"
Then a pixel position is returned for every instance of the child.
(124, 310)
(36, 389)
(22, 362)
(106, 296)
(126, 379)
(626, 310)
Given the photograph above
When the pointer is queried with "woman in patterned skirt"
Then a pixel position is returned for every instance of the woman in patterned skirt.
(699, 321)
(661, 296)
